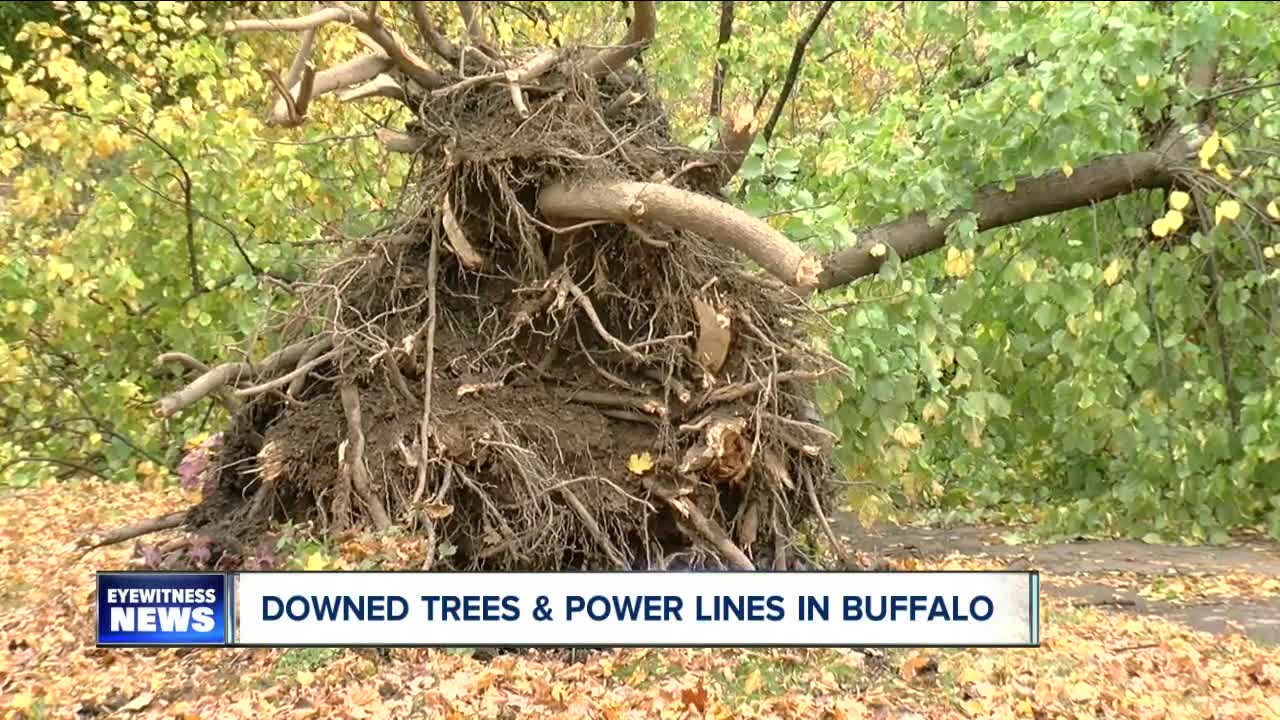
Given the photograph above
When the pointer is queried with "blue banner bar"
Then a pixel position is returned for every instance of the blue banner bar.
(164, 609)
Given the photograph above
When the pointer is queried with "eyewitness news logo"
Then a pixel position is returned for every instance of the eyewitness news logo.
(588, 609)
(169, 609)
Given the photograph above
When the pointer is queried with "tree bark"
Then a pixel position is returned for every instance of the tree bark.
(793, 71)
(631, 202)
(717, 80)
(736, 137)
(644, 26)
(405, 59)
(914, 235)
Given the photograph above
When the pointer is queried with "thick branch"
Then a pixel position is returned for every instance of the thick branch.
(440, 44)
(211, 381)
(300, 59)
(358, 70)
(736, 138)
(405, 59)
(184, 360)
(632, 202)
(194, 365)
(125, 534)
(912, 236)
(532, 68)
(223, 375)
(717, 80)
(434, 39)
(304, 23)
(396, 141)
(644, 26)
(381, 86)
(471, 18)
(300, 371)
(793, 71)
(706, 528)
(305, 89)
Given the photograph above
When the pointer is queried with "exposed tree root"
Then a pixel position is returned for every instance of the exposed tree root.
(555, 362)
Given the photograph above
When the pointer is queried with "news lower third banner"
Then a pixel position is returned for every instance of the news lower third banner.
(641, 609)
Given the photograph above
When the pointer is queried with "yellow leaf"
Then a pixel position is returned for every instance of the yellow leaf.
(106, 142)
(23, 700)
(1081, 692)
(908, 435)
(753, 683)
(1035, 100)
(305, 678)
(1273, 210)
(59, 270)
(437, 511)
(1112, 274)
(934, 411)
(1026, 269)
(1174, 220)
(640, 464)
(959, 263)
(1178, 199)
(1223, 171)
(1209, 149)
(1067, 169)
(970, 675)
(1229, 209)
(316, 561)
(1144, 80)
(139, 702)
(1160, 228)
(1227, 145)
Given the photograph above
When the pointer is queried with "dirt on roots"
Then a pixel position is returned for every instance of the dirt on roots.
(600, 395)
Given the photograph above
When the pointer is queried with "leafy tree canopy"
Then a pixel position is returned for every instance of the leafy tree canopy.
(1111, 368)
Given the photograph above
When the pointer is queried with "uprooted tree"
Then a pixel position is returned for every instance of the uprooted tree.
(572, 351)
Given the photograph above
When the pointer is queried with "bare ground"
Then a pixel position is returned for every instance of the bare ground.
(1230, 586)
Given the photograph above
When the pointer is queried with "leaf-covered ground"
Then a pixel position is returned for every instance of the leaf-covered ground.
(1093, 664)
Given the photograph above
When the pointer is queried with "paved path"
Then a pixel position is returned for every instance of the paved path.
(1260, 617)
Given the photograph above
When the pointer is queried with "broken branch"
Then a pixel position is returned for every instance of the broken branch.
(125, 534)
(644, 25)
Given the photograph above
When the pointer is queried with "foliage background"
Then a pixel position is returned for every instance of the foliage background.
(1093, 372)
